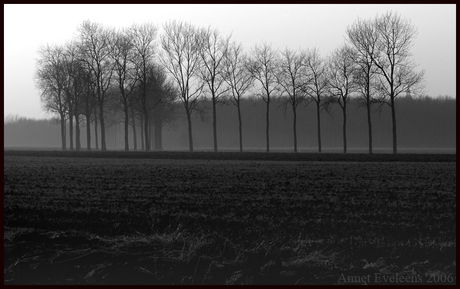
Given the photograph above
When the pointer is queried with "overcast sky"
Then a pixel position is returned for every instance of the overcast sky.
(27, 26)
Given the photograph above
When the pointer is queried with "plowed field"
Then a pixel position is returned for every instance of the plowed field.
(227, 218)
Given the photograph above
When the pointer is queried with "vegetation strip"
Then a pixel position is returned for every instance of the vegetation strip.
(259, 156)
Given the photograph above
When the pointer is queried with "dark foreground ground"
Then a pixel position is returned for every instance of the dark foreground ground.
(228, 218)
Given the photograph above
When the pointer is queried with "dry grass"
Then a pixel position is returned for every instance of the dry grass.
(178, 257)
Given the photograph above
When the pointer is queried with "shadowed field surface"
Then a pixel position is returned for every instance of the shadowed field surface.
(259, 156)
(214, 218)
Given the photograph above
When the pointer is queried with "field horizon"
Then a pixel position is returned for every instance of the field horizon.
(337, 150)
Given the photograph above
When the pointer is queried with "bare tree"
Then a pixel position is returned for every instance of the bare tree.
(213, 51)
(74, 89)
(80, 88)
(163, 97)
(182, 60)
(122, 52)
(50, 79)
(238, 78)
(341, 75)
(262, 66)
(392, 58)
(95, 51)
(89, 101)
(363, 37)
(316, 87)
(291, 76)
(143, 39)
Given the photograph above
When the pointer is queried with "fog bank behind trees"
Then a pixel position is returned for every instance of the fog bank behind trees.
(424, 123)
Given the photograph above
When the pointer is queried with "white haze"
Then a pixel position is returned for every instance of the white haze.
(28, 26)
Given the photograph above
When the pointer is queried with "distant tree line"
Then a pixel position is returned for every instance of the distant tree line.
(423, 123)
(144, 80)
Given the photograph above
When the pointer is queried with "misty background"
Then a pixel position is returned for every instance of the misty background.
(424, 124)
(28, 26)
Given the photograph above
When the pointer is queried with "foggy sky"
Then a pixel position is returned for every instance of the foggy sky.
(27, 26)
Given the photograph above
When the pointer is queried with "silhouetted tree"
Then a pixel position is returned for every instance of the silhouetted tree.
(317, 85)
(341, 75)
(392, 58)
(126, 78)
(213, 51)
(182, 60)
(95, 51)
(363, 37)
(238, 78)
(88, 99)
(143, 39)
(74, 90)
(80, 89)
(50, 78)
(291, 77)
(161, 98)
(262, 65)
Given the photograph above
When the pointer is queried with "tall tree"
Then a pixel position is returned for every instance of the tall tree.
(292, 75)
(88, 99)
(73, 89)
(262, 66)
(341, 75)
(143, 39)
(50, 78)
(162, 96)
(80, 88)
(213, 51)
(317, 85)
(182, 60)
(95, 51)
(395, 37)
(238, 78)
(363, 37)
(122, 53)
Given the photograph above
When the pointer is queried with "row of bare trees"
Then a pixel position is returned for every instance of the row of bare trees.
(103, 69)
(374, 66)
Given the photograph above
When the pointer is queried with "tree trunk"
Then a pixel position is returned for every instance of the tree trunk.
(240, 127)
(77, 131)
(101, 112)
(295, 127)
(126, 127)
(319, 126)
(71, 130)
(267, 131)
(142, 133)
(95, 130)
(189, 121)
(63, 136)
(393, 118)
(134, 129)
(152, 136)
(146, 131)
(155, 134)
(369, 124)
(88, 132)
(160, 137)
(214, 122)
(344, 109)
